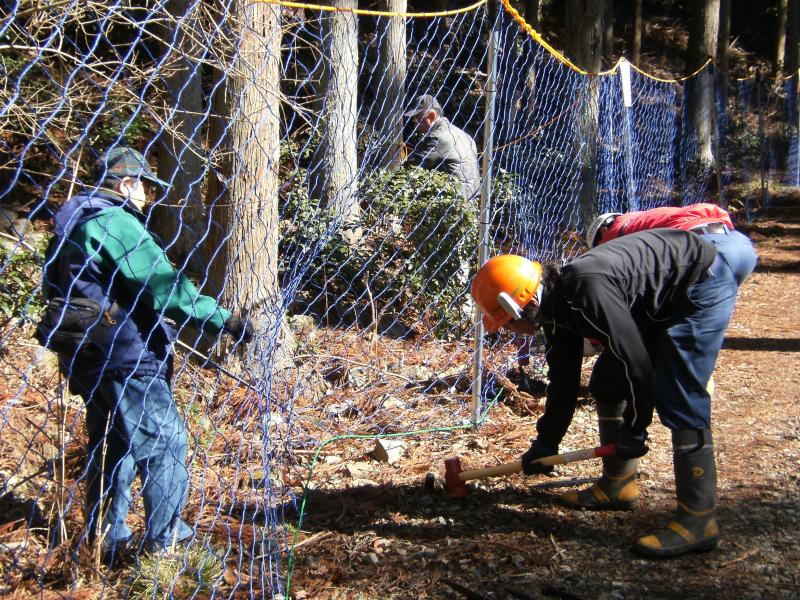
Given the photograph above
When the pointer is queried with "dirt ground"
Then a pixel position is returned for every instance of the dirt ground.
(387, 537)
(371, 530)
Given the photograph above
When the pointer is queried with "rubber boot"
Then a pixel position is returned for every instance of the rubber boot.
(694, 528)
(616, 489)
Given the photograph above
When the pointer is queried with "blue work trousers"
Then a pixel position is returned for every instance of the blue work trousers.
(685, 350)
(134, 426)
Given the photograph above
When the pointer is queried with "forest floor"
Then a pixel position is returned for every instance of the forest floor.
(372, 530)
(390, 538)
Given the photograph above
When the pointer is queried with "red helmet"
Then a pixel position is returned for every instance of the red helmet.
(503, 286)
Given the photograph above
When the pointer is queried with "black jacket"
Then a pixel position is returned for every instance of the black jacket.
(620, 293)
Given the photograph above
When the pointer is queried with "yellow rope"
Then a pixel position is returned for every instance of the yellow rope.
(537, 37)
(373, 13)
(541, 41)
(675, 80)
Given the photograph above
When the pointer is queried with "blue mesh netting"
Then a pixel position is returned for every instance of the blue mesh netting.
(280, 131)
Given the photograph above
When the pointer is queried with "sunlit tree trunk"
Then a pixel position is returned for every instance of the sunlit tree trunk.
(244, 190)
(333, 174)
(699, 99)
(178, 217)
(780, 38)
(584, 32)
(391, 81)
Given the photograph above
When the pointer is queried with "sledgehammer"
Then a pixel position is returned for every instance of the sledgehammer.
(455, 477)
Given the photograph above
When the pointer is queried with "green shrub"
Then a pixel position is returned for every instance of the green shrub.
(418, 239)
(20, 277)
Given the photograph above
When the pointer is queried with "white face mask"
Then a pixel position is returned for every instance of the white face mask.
(133, 190)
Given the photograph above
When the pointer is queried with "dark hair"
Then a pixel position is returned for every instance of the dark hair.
(551, 271)
(550, 274)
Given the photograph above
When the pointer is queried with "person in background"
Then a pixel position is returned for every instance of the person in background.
(702, 218)
(103, 264)
(445, 147)
(660, 302)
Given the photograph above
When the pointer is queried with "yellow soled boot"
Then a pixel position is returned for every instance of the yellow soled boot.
(617, 489)
(694, 528)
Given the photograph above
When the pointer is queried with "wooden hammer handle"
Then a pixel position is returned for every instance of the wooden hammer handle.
(556, 459)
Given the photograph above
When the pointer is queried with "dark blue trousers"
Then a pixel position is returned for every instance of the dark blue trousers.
(685, 350)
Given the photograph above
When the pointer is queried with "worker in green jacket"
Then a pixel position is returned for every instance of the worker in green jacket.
(108, 274)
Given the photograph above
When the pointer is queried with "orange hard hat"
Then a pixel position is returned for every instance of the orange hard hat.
(503, 285)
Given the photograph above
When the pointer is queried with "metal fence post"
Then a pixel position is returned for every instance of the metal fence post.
(484, 208)
(627, 103)
(761, 141)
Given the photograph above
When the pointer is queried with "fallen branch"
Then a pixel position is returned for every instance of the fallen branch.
(317, 537)
(560, 552)
(744, 556)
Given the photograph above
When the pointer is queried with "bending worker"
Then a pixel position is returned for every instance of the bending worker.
(617, 489)
(660, 302)
(106, 271)
(702, 218)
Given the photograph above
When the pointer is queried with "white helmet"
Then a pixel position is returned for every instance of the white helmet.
(603, 220)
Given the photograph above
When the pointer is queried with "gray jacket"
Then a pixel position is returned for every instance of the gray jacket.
(447, 148)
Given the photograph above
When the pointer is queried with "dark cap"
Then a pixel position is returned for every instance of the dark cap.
(424, 104)
(125, 162)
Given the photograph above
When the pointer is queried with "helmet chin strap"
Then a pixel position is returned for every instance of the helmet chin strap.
(509, 305)
(513, 309)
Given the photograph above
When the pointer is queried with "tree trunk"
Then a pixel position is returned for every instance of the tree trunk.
(636, 50)
(724, 44)
(723, 51)
(244, 194)
(392, 68)
(333, 174)
(584, 32)
(792, 34)
(792, 62)
(699, 98)
(532, 13)
(608, 32)
(780, 41)
(180, 150)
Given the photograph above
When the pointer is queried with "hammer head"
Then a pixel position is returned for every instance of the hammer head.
(455, 487)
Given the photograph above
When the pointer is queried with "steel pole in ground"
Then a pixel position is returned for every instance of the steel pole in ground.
(761, 142)
(486, 188)
(627, 103)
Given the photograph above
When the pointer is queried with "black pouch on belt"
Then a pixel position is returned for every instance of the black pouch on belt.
(74, 325)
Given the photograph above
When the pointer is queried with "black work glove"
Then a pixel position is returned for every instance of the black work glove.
(538, 449)
(240, 329)
(631, 444)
